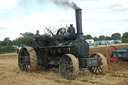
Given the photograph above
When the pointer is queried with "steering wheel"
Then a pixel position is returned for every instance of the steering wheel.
(61, 32)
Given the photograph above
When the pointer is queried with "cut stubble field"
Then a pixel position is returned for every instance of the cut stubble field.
(10, 74)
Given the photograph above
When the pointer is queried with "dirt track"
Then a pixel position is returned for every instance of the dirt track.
(11, 75)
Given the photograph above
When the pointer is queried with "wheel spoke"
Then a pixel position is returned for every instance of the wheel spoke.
(67, 68)
(95, 70)
(100, 69)
(23, 67)
(102, 64)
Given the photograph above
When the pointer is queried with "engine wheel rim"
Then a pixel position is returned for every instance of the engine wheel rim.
(102, 64)
(67, 68)
(23, 59)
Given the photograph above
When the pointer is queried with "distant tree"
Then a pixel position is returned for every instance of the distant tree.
(108, 38)
(102, 37)
(125, 37)
(95, 39)
(116, 36)
(88, 36)
(1, 43)
(19, 41)
(25, 37)
(7, 41)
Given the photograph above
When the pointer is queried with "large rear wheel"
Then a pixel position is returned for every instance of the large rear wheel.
(27, 59)
(102, 69)
(69, 67)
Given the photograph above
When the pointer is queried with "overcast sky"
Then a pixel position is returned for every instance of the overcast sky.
(100, 17)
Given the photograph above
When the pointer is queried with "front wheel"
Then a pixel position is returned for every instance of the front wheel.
(102, 69)
(68, 66)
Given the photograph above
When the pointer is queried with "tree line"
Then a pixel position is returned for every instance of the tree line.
(25, 37)
(114, 36)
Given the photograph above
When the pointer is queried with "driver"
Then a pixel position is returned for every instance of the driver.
(37, 35)
(70, 35)
(71, 29)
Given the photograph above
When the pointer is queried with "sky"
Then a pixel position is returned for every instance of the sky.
(99, 17)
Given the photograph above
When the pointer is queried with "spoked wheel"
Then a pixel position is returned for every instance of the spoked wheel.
(102, 69)
(27, 59)
(69, 67)
(110, 57)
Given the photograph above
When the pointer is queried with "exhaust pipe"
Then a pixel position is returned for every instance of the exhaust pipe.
(79, 23)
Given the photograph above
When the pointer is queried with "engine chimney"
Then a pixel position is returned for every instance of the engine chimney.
(79, 23)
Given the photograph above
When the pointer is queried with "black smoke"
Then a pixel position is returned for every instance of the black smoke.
(65, 3)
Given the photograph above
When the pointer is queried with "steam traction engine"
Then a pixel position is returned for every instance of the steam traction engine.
(69, 53)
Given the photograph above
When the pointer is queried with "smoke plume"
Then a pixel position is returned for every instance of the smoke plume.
(66, 3)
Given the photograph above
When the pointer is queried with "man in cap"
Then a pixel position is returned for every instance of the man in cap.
(37, 35)
(70, 35)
